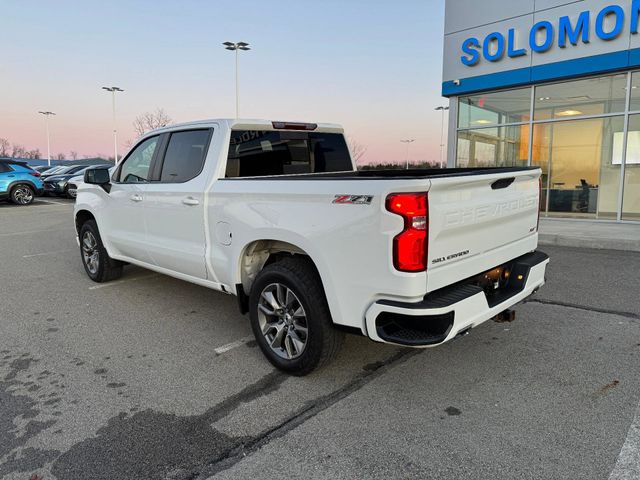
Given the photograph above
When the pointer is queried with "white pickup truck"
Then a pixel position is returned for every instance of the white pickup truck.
(277, 214)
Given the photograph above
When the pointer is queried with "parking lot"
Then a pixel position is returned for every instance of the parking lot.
(152, 377)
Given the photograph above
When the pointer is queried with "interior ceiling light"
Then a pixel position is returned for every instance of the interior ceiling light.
(580, 97)
(569, 113)
(542, 99)
(483, 122)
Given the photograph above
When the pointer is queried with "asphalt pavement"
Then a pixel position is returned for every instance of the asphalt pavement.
(150, 377)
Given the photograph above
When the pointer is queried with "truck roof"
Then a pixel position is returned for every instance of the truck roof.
(250, 124)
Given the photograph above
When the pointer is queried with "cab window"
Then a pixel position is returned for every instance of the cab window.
(185, 155)
(136, 167)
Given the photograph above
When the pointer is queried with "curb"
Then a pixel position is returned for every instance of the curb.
(586, 242)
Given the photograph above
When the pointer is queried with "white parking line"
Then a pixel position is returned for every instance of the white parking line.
(126, 280)
(628, 465)
(232, 345)
(46, 253)
(31, 232)
(51, 202)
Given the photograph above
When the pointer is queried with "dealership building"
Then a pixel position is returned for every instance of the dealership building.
(554, 84)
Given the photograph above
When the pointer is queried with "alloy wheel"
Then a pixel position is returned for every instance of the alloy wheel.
(283, 321)
(23, 195)
(90, 253)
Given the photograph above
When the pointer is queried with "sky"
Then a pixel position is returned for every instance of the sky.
(373, 66)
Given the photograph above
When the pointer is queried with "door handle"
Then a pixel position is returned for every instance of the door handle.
(136, 198)
(190, 201)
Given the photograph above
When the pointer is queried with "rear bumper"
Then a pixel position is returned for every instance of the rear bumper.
(445, 313)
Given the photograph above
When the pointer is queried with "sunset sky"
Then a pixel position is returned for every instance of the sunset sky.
(374, 66)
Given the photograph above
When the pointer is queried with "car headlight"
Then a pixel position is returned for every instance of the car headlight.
(62, 183)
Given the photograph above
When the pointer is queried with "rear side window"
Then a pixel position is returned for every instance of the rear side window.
(255, 153)
(4, 168)
(185, 155)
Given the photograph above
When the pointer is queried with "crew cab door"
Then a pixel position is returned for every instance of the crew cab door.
(174, 203)
(125, 218)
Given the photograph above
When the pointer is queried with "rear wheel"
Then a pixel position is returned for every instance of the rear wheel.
(22, 194)
(290, 317)
(97, 263)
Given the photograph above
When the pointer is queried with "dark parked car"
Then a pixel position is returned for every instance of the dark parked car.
(58, 184)
(62, 170)
(43, 168)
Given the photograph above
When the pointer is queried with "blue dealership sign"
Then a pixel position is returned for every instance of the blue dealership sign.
(493, 44)
(609, 24)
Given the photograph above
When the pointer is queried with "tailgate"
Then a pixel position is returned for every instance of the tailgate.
(479, 221)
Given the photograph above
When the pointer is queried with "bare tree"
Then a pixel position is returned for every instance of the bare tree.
(357, 149)
(150, 121)
(33, 154)
(5, 147)
(59, 156)
(73, 154)
(17, 151)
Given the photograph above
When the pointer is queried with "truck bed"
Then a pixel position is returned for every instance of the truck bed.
(389, 174)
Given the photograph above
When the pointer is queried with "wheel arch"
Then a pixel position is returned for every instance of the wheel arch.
(83, 216)
(259, 253)
(26, 182)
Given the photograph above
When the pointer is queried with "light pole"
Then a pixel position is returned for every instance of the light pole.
(47, 114)
(236, 46)
(408, 141)
(442, 108)
(113, 91)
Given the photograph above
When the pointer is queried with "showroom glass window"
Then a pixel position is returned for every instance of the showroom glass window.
(494, 129)
(577, 132)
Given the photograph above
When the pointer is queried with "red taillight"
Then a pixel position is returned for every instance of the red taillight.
(410, 245)
(35, 173)
(294, 126)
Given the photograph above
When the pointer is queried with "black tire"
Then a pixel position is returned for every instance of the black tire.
(322, 341)
(106, 268)
(22, 194)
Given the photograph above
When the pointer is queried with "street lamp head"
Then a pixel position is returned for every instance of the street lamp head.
(47, 113)
(442, 108)
(113, 89)
(236, 46)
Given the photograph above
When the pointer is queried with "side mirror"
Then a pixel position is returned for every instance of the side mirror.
(98, 176)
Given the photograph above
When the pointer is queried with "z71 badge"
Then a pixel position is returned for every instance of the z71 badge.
(353, 199)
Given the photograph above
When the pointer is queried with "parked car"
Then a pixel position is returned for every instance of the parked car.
(63, 170)
(277, 214)
(58, 183)
(43, 168)
(53, 170)
(18, 182)
(75, 182)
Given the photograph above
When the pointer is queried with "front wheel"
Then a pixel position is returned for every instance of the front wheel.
(100, 267)
(290, 317)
